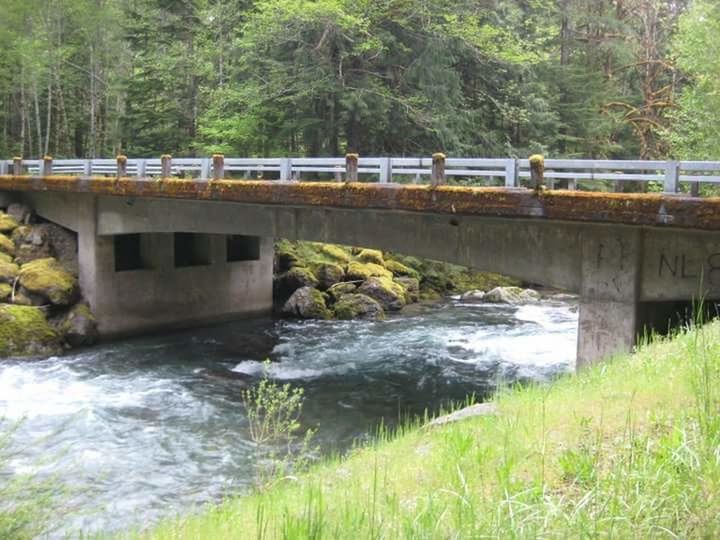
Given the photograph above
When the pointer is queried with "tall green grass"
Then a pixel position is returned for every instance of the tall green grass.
(627, 449)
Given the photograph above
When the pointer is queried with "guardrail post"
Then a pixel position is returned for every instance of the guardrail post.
(385, 170)
(695, 189)
(46, 166)
(218, 166)
(141, 168)
(572, 184)
(672, 174)
(87, 167)
(205, 166)
(3, 167)
(285, 169)
(511, 173)
(351, 167)
(437, 176)
(165, 166)
(121, 166)
(17, 166)
(537, 171)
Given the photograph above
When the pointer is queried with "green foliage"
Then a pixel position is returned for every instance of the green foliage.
(695, 133)
(273, 413)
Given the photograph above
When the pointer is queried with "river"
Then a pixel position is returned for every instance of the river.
(154, 427)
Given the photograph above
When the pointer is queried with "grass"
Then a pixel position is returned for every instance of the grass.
(629, 448)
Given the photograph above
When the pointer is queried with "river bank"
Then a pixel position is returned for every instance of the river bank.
(625, 449)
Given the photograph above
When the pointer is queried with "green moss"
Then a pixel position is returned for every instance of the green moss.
(4, 257)
(389, 294)
(49, 279)
(341, 289)
(358, 306)
(371, 256)
(7, 223)
(5, 291)
(336, 253)
(6, 245)
(24, 331)
(8, 271)
(327, 274)
(399, 269)
(362, 271)
(285, 255)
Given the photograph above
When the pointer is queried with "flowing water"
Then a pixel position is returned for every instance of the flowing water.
(153, 427)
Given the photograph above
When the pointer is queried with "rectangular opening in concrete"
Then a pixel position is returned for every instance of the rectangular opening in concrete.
(192, 249)
(128, 252)
(243, 248)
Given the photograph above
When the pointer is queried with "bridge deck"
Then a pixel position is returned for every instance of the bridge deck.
(666, 210)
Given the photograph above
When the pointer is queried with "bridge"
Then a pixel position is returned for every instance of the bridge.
(173, 242)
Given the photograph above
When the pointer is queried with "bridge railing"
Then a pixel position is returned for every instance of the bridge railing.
(604, 175)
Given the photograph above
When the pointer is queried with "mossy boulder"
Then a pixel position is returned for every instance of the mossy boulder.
(359, 271)
(511, 295)
(7, 223)
(411, 286)
(6, 245)
(307, 303)
(341, 289)
(287, 283)
(5, 292)
(26, 253)
(371, 256)
(328, 274)
(358, 306)
(389, 294)
(24, 331)
(8, 271)
(78, 326)
(48, 279)
(336, 253)
(4, 257)
(399, 269)
(285, 256)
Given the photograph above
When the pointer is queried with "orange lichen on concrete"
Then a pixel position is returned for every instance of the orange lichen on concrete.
(626, 208)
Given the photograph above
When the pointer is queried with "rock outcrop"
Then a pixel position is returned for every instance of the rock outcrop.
(511, 295)
(39, 290)
(362, 283)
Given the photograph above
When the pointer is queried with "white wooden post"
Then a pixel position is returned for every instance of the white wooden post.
(572, 184)
(87, 167)
(385, 170)
(537, 171)
(437, 176)
(218, 166)
(351, 167)
(165, 166)
(17, 166)
(46, 166)
(285, 169)
(511, 172)
(141, 168)
(672, 173)
(3, 167)
(121, 166)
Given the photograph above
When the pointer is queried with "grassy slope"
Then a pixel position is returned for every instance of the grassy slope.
(626, 449)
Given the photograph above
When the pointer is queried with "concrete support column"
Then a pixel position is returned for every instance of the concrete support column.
(609, 315)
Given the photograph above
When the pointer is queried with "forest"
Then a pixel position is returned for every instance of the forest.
(567, 78)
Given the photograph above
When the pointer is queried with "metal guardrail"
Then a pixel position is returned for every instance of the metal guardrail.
(508, 172)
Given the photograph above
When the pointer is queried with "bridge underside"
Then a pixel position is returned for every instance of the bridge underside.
(625, 275)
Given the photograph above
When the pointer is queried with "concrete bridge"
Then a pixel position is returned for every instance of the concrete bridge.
(165, 251)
